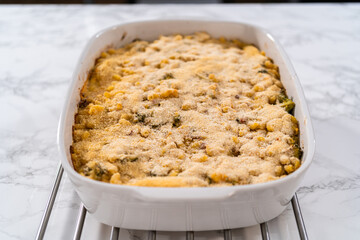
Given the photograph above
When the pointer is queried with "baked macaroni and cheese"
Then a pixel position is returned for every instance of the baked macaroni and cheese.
(185, 111)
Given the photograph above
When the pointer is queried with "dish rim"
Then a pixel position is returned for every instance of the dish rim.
(117, 187)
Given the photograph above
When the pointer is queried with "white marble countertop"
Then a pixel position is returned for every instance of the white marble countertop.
(39, 46)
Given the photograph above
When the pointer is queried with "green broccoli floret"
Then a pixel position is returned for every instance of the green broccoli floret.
(285, 102)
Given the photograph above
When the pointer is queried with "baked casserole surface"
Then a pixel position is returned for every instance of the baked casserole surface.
(185, 111)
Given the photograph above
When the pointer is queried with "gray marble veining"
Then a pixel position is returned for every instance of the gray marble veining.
(39, 46)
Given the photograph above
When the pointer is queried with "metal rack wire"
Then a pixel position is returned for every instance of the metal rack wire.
(152, 234)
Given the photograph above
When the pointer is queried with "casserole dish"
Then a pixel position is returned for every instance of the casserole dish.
(184, 209)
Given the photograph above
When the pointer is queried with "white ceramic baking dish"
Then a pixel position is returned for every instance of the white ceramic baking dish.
(180, 209)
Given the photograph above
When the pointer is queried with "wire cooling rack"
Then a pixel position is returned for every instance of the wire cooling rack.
(265, 234)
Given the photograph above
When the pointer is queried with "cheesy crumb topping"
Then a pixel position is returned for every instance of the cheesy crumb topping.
(185, 111)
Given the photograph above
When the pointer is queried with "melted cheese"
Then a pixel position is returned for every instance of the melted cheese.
(185, 111)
